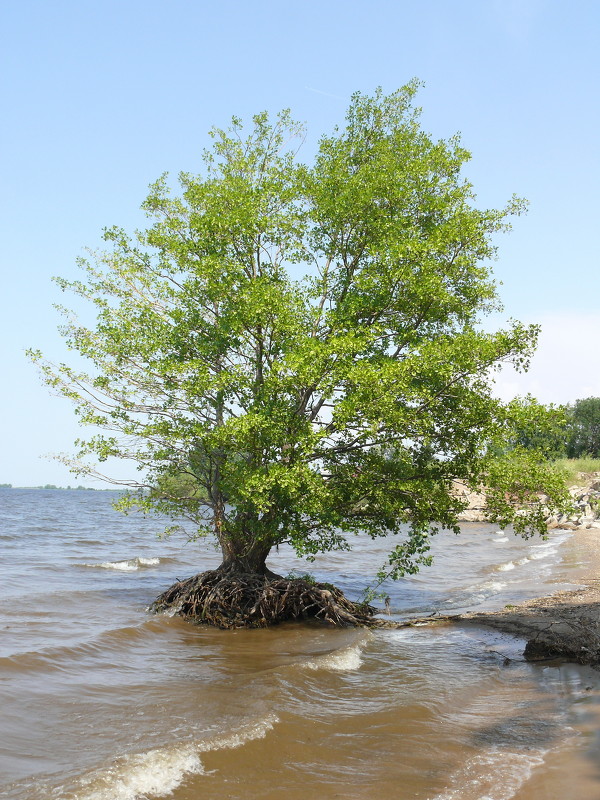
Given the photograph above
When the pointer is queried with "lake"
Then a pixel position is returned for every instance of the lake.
(99, 700)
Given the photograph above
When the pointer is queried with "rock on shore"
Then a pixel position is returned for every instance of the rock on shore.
(586, 498)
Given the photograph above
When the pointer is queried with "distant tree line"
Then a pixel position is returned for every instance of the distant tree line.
(571, 431)
(583, 428)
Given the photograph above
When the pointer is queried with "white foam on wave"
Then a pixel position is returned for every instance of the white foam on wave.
(487, 589)
(483, 591)
(501, 539)
(131, 565)
(347, 659)
(493, 775)
(506, 567)
(246, 733)
(159, 772)
(154, 773)
(493, 586)
(123, 566)
(478, 593)
(550, 547)
(548, 551)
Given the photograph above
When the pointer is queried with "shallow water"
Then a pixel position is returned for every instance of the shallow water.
(101, 701)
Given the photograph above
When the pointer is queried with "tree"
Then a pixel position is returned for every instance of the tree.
(305, 409)
(584, 428)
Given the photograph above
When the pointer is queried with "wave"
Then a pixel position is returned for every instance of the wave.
(478, 593)
(347, 659)
(493, 775)
(460, 599)
(130, 565)
(156, 772)
(543, 552)
(506, 567)
(51, 659)
(520, 562)
(549, 547)
(536, 553)
(160, 771)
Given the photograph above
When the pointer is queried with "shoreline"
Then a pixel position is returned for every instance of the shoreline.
(564, 625)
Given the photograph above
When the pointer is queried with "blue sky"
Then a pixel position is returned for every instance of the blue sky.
(100, 98)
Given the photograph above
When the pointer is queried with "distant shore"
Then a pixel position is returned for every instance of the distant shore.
(52, 487)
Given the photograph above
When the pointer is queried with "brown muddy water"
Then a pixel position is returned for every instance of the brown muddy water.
(101, 701)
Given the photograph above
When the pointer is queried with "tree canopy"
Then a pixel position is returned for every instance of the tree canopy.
(302, 342)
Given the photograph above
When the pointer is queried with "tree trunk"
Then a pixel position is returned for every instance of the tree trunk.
(246, 559)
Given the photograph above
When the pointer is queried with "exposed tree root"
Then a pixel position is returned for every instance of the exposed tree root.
(238, 600)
